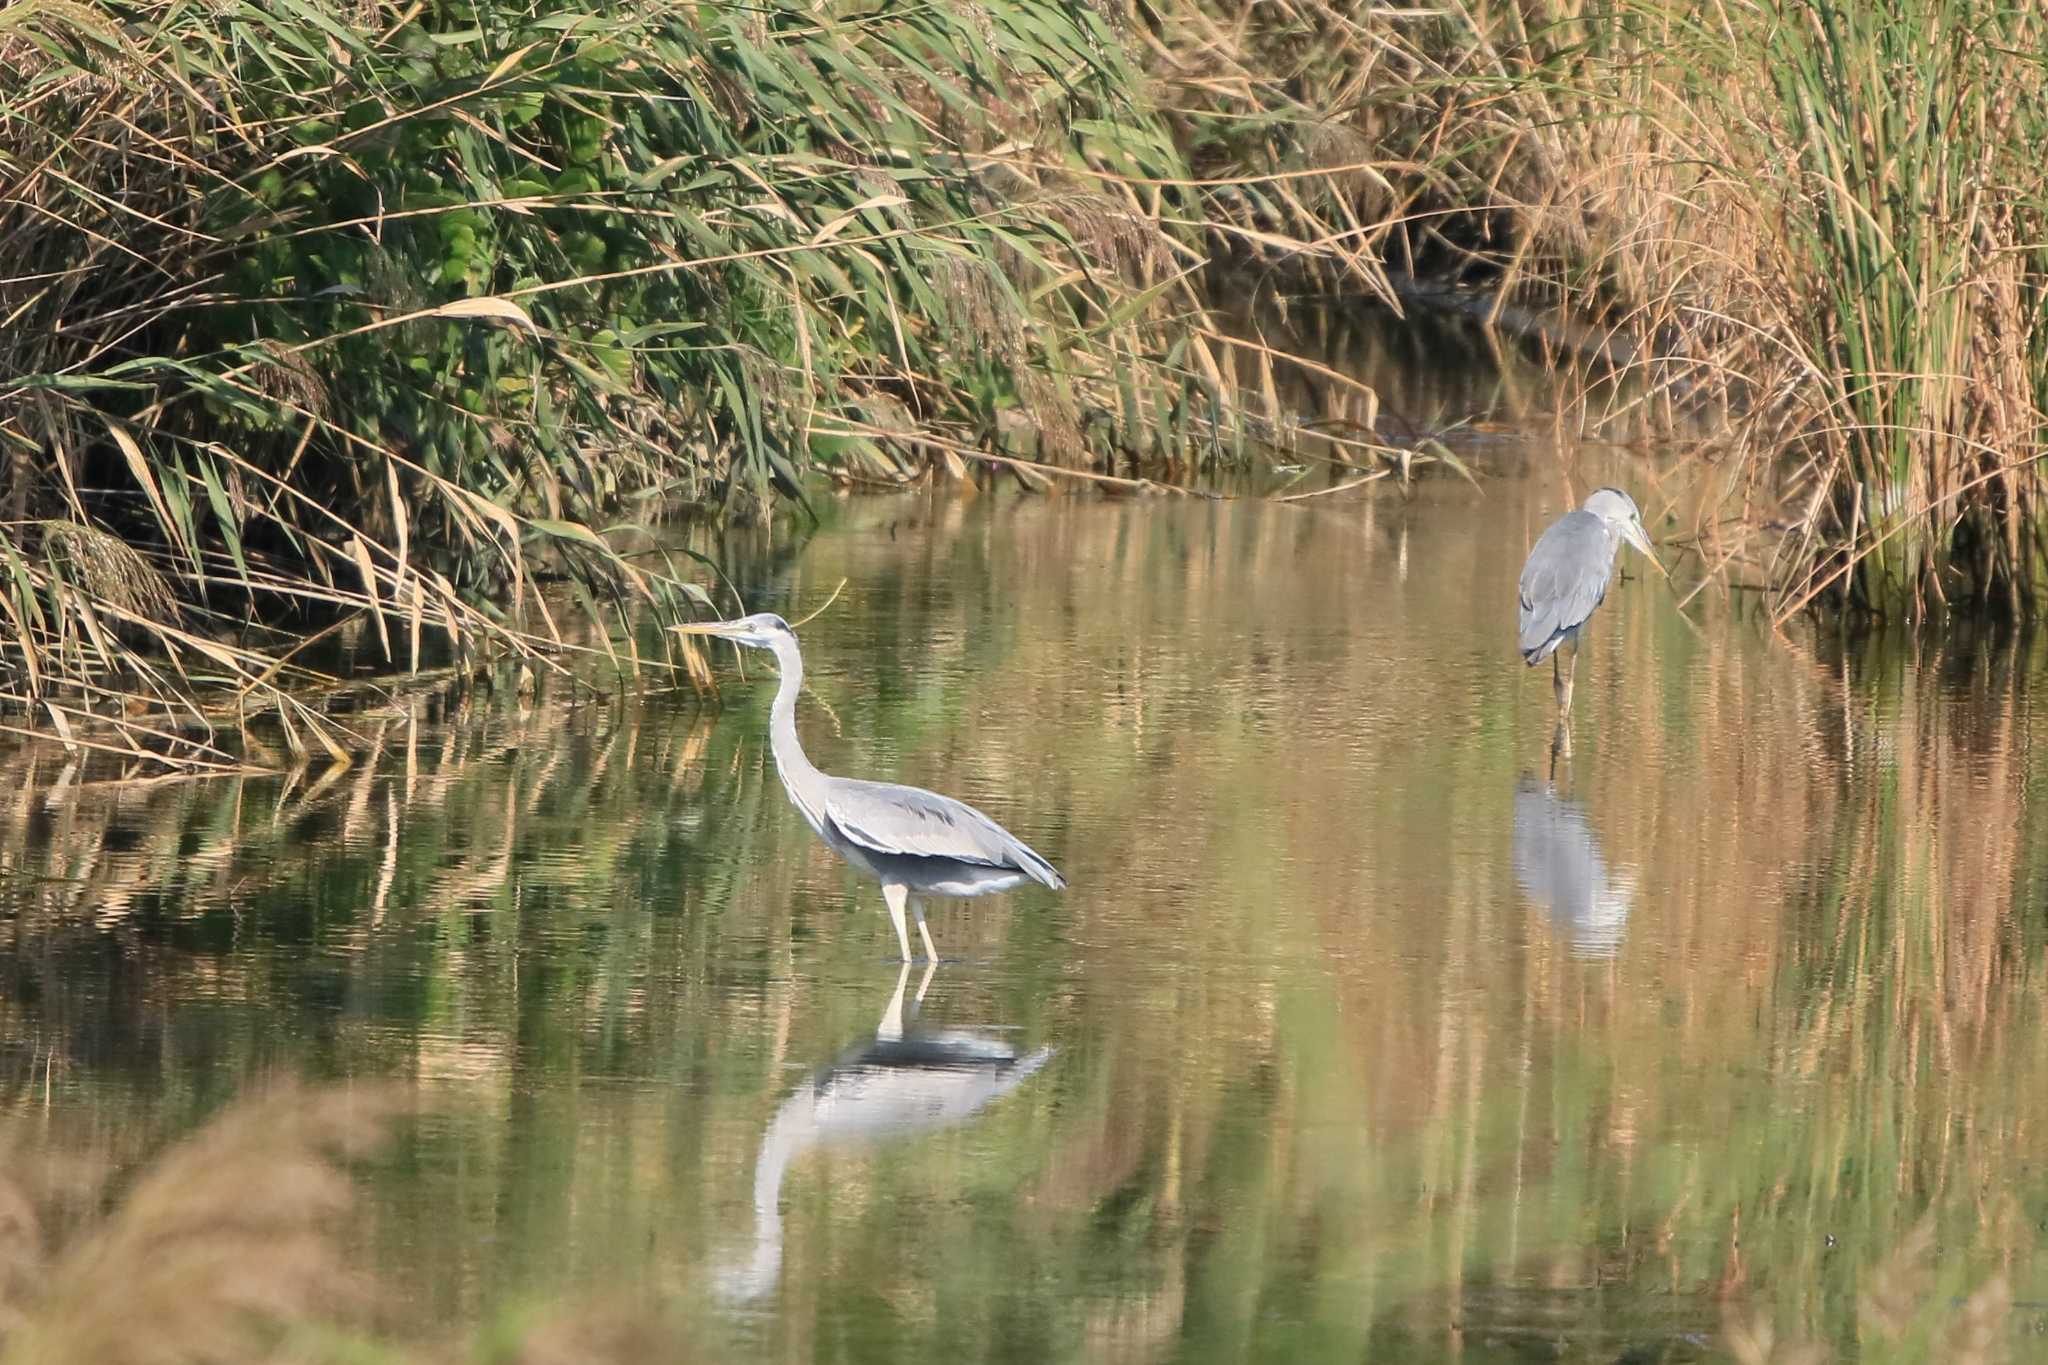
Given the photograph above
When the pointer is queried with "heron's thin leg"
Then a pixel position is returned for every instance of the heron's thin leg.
(891, 1027)
(917, 908)
(1562, 677)
(1560, 746)
(896, 893)
(931, 969)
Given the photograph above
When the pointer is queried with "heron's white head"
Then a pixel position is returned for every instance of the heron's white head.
(1619, 511)
(760, 631)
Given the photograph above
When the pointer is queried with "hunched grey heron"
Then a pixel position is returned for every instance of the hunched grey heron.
(1566, 577)
(916, 843)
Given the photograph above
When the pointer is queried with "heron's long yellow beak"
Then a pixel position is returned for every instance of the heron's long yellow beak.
(1640, 539)
(722, 629)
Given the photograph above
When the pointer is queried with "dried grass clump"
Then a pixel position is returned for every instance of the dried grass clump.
(1112, 236)
(222, 1249)
(1910, 1311)
(232, 1248)
(288, 377)
(108, 569)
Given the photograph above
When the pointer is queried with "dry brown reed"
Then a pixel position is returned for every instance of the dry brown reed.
(235, 1247)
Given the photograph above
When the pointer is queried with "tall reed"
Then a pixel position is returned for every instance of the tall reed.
(1902, 154)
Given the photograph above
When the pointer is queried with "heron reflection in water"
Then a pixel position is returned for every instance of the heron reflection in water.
(899, 1084)
(1558, 863)
(914, 842)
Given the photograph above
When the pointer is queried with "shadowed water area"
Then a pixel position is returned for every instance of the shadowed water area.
(1360, 1033)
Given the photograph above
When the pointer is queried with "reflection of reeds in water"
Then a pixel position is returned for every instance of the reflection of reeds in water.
(474, 812)
(1320, 1064)
(94, 845)
(1828, 882)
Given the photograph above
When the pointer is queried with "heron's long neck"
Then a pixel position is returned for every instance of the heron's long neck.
(794, 1129)
(799, 775)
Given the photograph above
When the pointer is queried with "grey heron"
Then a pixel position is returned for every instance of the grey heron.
(916, 843)
(1566, 577)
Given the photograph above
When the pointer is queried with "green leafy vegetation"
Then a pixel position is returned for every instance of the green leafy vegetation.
(394, 309)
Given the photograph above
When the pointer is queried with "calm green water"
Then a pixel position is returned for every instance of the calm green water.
(1356, 1036)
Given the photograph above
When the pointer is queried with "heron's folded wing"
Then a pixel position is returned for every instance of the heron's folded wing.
(912, 822)
(909, 820)
(1565, 579)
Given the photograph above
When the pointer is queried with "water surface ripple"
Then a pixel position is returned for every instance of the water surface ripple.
(1363, 1032)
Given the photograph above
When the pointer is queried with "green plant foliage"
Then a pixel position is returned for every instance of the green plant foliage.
(383, 301)
(1918, 223)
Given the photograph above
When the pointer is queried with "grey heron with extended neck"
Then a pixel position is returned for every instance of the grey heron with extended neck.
(916, 843)
(1566, 577)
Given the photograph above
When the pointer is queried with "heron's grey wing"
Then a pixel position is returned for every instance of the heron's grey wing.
(1565, 578)
(912, 822)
